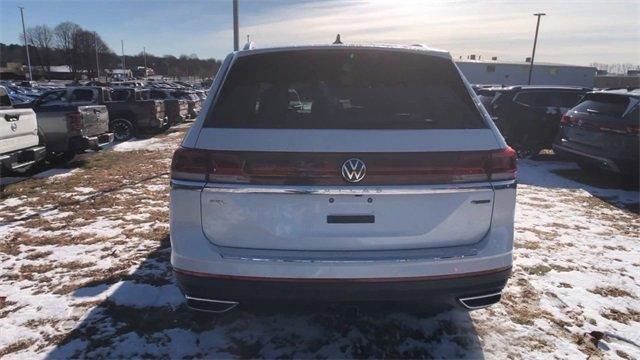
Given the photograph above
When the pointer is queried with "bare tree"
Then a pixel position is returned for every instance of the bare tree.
(65, 38)
(41, 38)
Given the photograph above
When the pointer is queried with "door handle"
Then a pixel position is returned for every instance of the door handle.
(12, 117)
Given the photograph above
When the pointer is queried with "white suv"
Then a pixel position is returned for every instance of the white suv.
(342, 173)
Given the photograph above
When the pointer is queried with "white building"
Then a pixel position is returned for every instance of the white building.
(517, 73)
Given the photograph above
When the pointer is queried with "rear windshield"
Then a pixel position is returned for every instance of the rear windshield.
(344, 89)
(605, 104)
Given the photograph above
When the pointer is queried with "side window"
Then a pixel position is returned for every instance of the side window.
(82, 96)
(119, 95)
(157, 95)
(54, 98)
(569, 99)
(527, 98)
(4, 98)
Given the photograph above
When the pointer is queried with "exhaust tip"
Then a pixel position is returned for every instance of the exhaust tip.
(480, 301)
(210, 305)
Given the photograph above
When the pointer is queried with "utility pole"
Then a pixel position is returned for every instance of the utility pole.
(95, 37)
(26, 45)
(144, 52)
(535, 41)
(235, 25)
(123, 64)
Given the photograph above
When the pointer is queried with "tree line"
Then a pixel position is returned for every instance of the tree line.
(69, 44)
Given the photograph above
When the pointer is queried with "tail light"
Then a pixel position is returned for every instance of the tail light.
(75, 121)
(565, 120)
(503, 164)
(281, 168)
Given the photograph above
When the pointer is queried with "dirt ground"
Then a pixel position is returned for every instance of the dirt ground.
(84, 272)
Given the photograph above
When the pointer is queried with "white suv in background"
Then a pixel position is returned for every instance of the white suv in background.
(342, 173)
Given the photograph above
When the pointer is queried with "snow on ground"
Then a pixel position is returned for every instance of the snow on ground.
(84, 272)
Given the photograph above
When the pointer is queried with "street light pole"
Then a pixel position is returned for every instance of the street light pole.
(26, 46)
(122, 45)
(95, 37)
(144, 51)
(235, 26)
(535, 41)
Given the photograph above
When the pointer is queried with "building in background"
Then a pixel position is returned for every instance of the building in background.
(629, 80)
(517, 73)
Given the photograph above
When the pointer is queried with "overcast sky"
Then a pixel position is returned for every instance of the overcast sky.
(573, 32)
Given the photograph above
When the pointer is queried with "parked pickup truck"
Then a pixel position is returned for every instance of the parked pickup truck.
(195, 104)
(70, 122)
(177, 110)
(19, 142)
(193, 101)
(130, 112)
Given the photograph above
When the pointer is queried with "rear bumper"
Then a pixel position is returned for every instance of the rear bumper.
(564, 148)
(446, 289)
(23, 157)
(97, 142)
(209, 271)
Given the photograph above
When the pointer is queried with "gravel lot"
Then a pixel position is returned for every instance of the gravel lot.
(84, 272)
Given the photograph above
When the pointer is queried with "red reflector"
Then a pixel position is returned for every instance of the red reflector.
(283, 168)
(566, 119)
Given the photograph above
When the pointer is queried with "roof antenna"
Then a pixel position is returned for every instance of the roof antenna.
(249, 45)
(337, 42)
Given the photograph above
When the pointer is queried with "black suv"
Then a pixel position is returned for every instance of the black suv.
(529, 116)
(602, 131)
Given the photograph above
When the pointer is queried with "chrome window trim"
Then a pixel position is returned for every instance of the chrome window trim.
(341, 190)
(346, 190)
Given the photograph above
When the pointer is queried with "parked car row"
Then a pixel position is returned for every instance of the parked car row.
(62, 122)
(598, 129)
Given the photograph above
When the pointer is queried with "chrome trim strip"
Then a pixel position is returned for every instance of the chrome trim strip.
(347, 190)
(187, 185)
(231, 304)
(462, 300)
(507, 184)
(301, 256)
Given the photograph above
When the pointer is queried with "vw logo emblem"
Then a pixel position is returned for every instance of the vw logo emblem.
(14, 127)
(353, 170)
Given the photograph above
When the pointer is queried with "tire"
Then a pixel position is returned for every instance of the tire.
(58, 159)
(122, 129)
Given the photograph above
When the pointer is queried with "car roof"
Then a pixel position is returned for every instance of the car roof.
(633, 92)
(419, 49)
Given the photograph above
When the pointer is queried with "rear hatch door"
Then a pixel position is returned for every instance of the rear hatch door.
(599, 122)
(291, 131)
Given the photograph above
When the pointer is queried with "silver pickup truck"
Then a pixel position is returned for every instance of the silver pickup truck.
(68, 122)
(19, 143)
